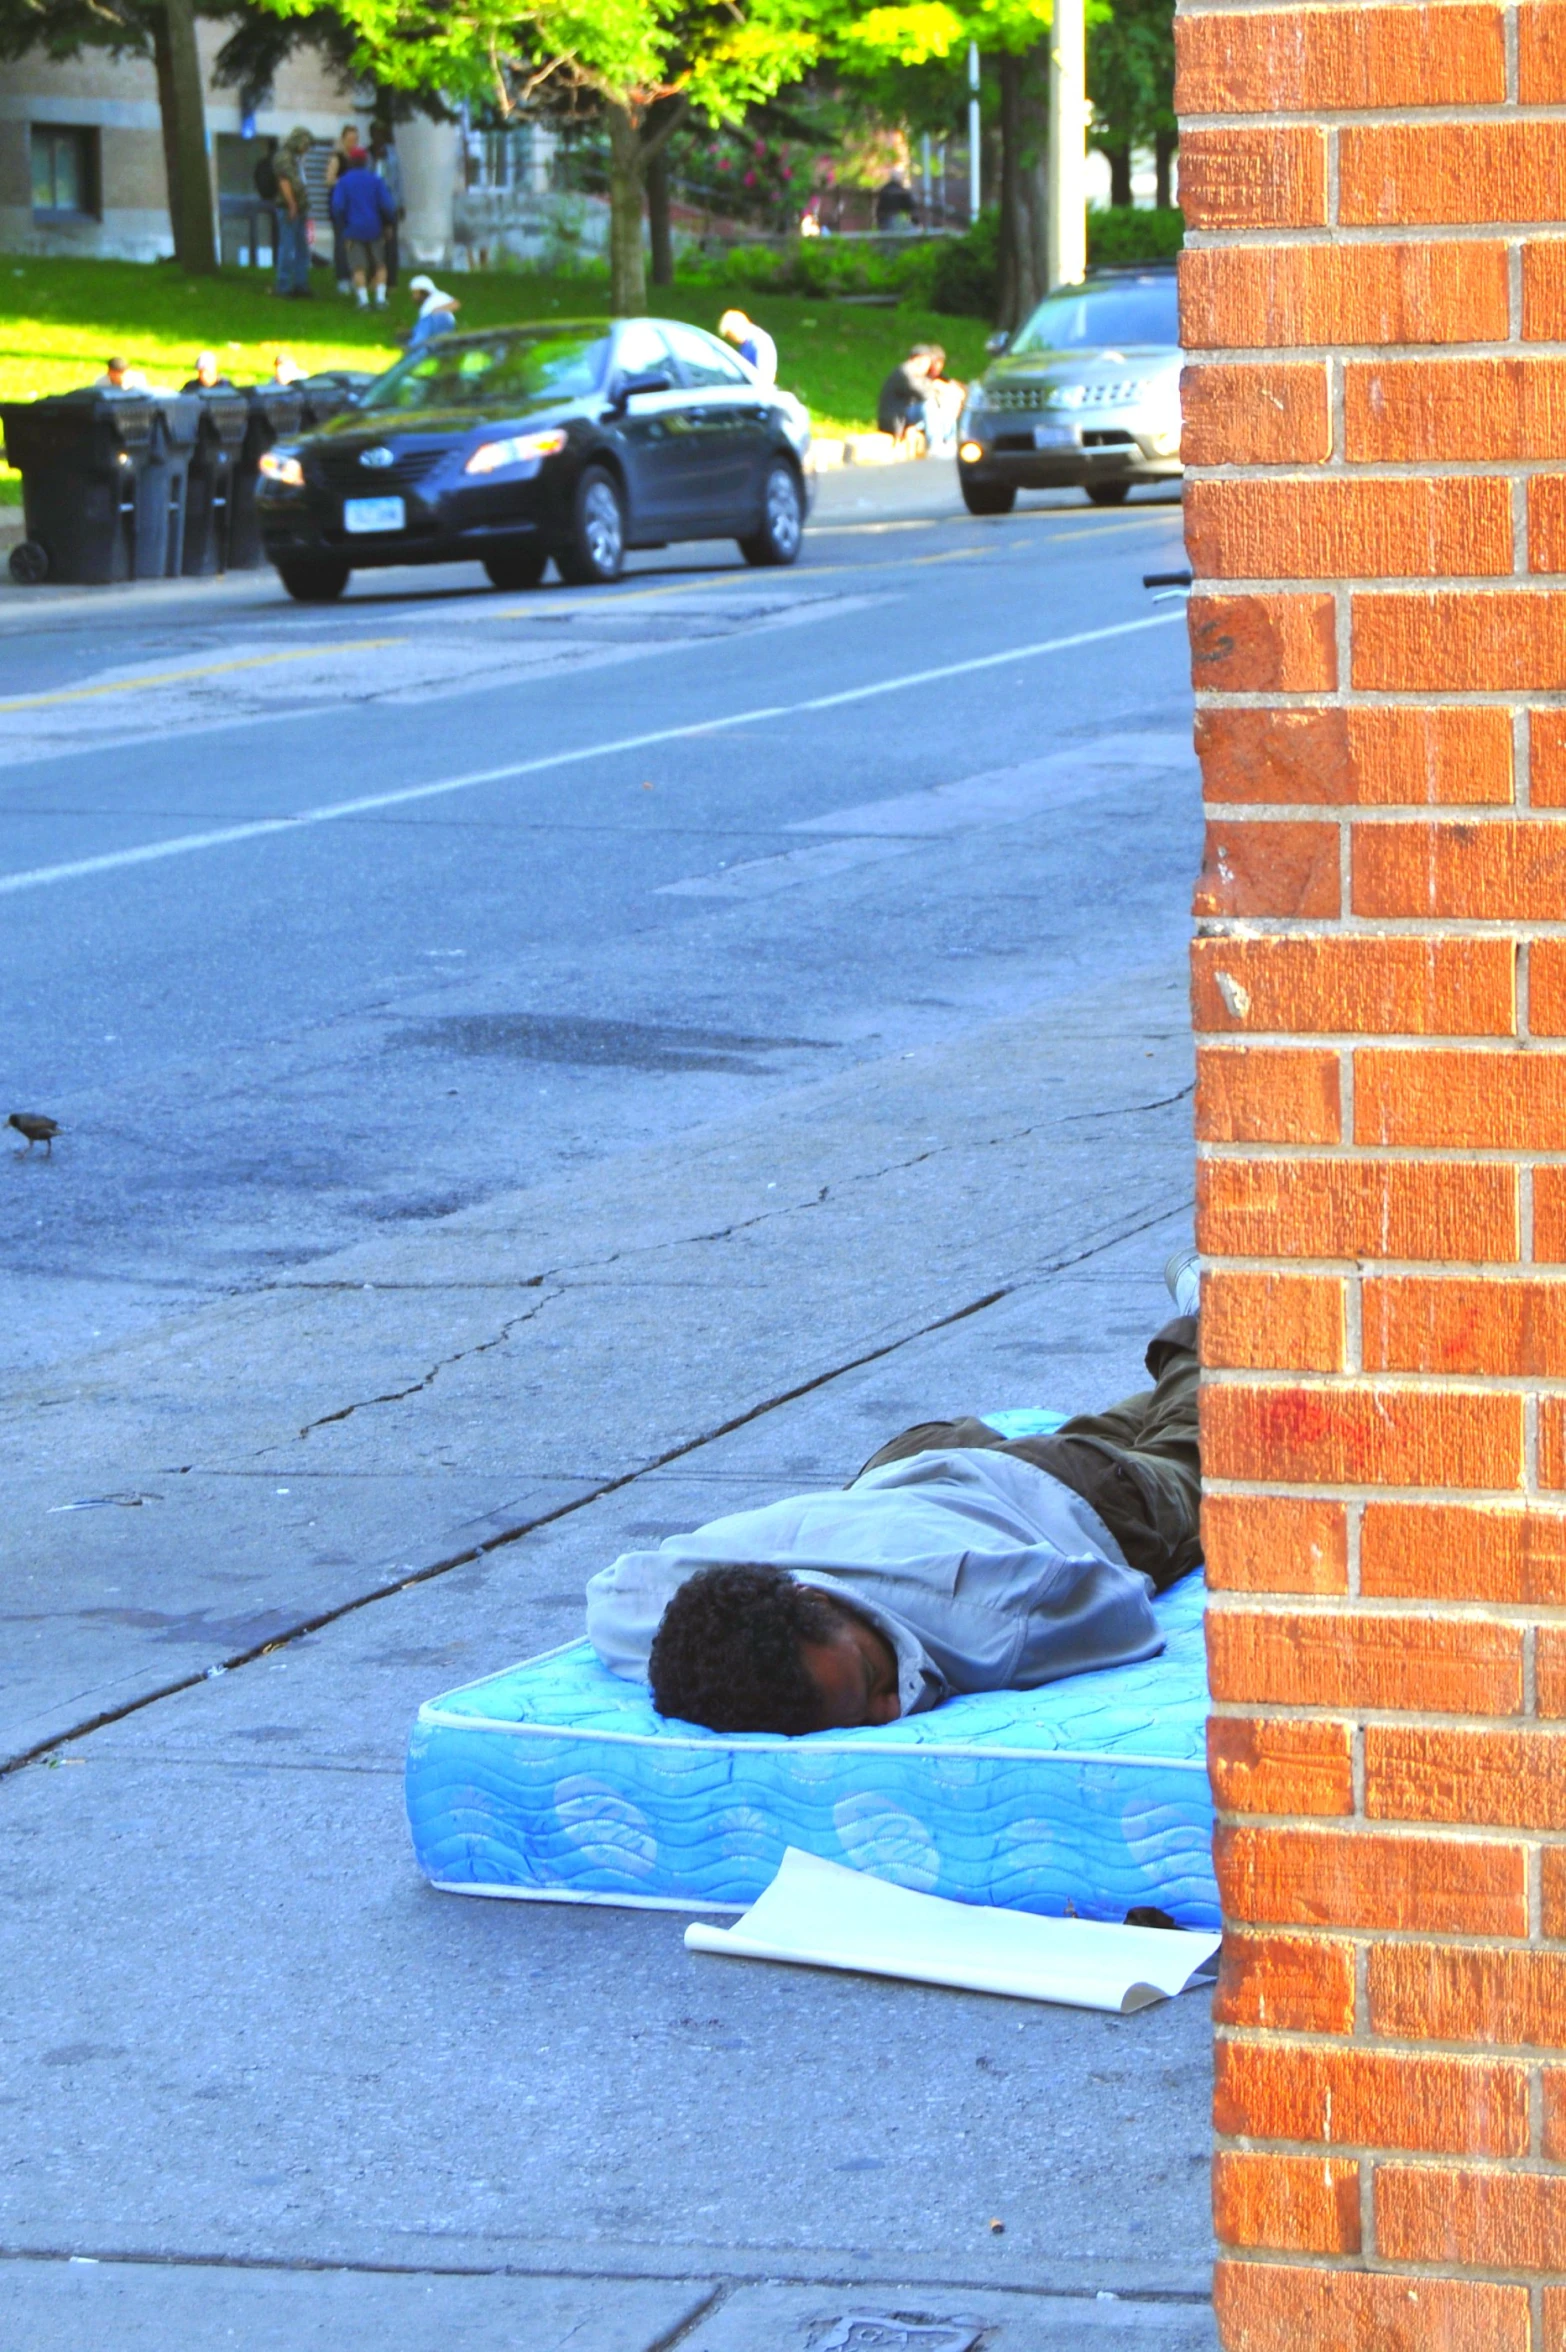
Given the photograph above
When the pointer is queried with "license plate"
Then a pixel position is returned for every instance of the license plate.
(374, 514)
(1054, 437)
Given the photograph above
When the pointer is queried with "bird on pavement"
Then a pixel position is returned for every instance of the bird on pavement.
(36, 1128)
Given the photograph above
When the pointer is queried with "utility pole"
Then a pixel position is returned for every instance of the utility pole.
(1068, 113)
(975, 188)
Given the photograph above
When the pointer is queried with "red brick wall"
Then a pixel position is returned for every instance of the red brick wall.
(1374, 300)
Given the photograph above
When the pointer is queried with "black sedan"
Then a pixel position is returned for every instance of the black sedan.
(574, 441)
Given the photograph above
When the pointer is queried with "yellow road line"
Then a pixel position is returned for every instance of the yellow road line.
(254, 661)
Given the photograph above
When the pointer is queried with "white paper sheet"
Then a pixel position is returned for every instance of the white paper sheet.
(817, 1914)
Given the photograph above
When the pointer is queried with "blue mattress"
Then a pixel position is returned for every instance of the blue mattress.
(558, 1781)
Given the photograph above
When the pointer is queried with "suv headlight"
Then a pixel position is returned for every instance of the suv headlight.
(518, 449)
(281, 465)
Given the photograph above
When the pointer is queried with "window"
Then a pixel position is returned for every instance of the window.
(505, 374)
(641, 350)
(704, 360)
(65, 173)
(1132, 310)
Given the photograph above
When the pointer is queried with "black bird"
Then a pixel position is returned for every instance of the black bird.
(36, 1128)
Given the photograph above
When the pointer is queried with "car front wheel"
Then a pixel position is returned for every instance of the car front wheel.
(521, 567)
(782, 521)
(314, 580)
(595, 553)
(986, 498)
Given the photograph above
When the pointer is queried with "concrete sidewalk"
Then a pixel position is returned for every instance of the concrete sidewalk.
(268, 2088)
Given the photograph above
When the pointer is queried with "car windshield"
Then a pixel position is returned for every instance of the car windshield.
(511, 372)
(1096, 318)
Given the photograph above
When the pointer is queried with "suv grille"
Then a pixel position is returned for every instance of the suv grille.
(1036, 396)
(339, 469)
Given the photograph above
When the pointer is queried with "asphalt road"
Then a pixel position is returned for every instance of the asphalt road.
(359, 985)
(536, 1072)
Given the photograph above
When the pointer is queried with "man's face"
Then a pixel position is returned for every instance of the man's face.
(855, 1674)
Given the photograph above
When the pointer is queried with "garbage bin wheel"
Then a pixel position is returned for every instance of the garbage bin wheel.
(987, 497)
(29, 564)
(521, 567)
(595, 551)
(1109, 493)
(314, 579)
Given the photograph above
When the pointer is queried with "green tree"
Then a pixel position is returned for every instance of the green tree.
(1131, 82)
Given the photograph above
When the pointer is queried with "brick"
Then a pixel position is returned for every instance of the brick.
(1553, 2136)
(1258, 1765)
(1398, 411)
(1547, 758)
(1505, 1779)
(1280, 297)
(1282, 1658)
(1274, 2307)
(1287, 1983)
(1366, 1879)
(1494, 1101)
(1462, 1552)
(1546, 524)
(1547, 988)
(1447, 2213)
(1508, 170)
(1549, 1673)
(1495, 1999)
(1269, 415)
(1552, 1442)
(1356, 1209)
(1304, 61)
(1277, 867)
(1275, 1543)
(1237, 179)
(1554, 2336)
(1447, 526)
(1263, 644)
(1541, 53)
(1552, 1889)
(1274, 1322)
(1293, 2204)
(1511, 1329)
(1358, 758)
(1355, 985)
(1371, 1435)
(1248, 1094)
(1292, 2091)
(1549, 1216)
(1450, 870)
(1544, 289)
(1483, 641)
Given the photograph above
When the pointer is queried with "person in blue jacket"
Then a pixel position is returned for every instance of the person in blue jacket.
(363, 210)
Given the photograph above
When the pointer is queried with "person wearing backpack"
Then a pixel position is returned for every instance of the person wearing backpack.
(293, 216)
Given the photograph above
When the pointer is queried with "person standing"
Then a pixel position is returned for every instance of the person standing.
(362, 211)
(337, 163)
(754, 345)
(388, 167)
(293, 216)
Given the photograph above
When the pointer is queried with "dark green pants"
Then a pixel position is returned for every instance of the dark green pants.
(1138, 1464)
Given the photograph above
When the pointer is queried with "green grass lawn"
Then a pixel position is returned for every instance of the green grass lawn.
(59, 320)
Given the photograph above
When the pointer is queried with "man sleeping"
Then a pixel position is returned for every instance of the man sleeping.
(957, 1560)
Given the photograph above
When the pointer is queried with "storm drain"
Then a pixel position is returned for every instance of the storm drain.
(877, 2331)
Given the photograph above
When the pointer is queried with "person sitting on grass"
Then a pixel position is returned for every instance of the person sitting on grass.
(957, 1560)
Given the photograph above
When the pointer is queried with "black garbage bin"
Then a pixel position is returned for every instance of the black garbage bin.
(80, 457)
(162, 477)
(331, 393)
(221, 424)
(273, 412)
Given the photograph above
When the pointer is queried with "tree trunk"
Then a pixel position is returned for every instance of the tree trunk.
(1022, 260)
(1119, 174)
(1008, 262)
(659, 237)
(182, 107)
(1164, 146)
(627, 200)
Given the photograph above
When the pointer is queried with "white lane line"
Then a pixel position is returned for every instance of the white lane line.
(257, 829)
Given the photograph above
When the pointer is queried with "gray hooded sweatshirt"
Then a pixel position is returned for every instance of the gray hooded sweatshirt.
(983, 1573)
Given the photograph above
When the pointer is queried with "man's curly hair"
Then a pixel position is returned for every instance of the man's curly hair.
(727, 1652)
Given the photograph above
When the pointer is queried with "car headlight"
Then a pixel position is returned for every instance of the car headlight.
(281, 465)
(517, 449)
(1165, 444)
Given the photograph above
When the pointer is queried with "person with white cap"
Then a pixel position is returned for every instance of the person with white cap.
(436, 311)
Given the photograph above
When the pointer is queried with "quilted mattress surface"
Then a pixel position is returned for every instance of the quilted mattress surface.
(557, 1780)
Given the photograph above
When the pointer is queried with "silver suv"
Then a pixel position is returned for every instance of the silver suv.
(1085, 393)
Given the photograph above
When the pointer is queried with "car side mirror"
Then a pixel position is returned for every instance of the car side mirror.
(996, 344)
(653, 380)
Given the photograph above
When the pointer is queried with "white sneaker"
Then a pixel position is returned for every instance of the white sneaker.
(1183, 1274)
